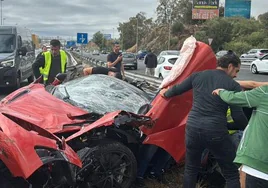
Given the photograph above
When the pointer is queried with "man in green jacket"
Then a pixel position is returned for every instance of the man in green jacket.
(252, 152)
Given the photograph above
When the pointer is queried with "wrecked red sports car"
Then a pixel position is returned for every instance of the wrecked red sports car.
(108, 143)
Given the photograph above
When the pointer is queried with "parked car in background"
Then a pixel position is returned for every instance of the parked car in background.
(164, 66)
(17, 54)
(141, 54)
(96, 52)
(259, 65)
(255, 53)
(129, 60)
(221, 53)
(168, 52)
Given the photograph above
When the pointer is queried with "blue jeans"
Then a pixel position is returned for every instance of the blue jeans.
(222, 148)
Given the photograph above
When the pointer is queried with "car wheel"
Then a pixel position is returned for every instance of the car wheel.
(110, 164)
(254, 69)
(30, 79)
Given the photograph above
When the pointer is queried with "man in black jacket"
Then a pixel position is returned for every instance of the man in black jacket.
(150, 61)
(206, 125)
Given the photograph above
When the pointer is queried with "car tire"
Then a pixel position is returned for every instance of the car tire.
(106, 165)
(254, 69)
(30, 79)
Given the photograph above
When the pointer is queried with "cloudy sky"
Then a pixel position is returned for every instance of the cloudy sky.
(66, 18)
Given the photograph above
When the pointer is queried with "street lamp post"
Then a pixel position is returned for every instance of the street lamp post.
(137, 37)
(102, 39)
(1, 12)
(169, 23)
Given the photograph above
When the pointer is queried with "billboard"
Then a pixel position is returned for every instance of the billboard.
(237, 8)
(205, 4)
(70, 44)
(204, 14)
(107, 36)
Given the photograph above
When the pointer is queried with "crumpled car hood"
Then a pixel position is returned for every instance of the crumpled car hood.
(35, 105)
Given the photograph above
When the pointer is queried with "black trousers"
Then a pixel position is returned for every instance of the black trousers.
(219, 143)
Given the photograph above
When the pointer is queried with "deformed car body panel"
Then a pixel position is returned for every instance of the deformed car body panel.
(171, 114)
(18, 147)
(39, 107)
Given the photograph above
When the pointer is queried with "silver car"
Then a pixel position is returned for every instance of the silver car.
(255, 53)
(129, 60)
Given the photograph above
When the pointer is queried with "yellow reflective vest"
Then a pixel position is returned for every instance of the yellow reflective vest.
(45, 71)
(230, 120)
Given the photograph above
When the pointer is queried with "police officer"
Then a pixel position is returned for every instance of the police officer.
(51, 63)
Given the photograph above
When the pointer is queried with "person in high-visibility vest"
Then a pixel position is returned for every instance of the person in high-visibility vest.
(236, 135)
(44, 49)
(50, 63)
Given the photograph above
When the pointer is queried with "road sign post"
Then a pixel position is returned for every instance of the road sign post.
(82, 38)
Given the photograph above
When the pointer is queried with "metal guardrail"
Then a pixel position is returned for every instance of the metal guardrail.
(247, 61)
(154, 82)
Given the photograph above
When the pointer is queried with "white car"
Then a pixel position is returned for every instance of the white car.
(255, 53)
(165, 64)
(168, 52)
(259, 65)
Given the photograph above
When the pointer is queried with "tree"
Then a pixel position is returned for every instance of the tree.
(128, 30)
(219, 29)
(163, 11)
(98, 39)
(177, 28)
(263, 18)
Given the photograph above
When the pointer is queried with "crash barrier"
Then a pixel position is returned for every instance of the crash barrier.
(247, 61)
(73, 61)
(154, 82)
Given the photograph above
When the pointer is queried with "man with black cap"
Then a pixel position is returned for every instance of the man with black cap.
(51, 63)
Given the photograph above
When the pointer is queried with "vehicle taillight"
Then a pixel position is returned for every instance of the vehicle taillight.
(167, 67)
(261, 54)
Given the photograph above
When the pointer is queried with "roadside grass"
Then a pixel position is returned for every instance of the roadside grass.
(172, 178)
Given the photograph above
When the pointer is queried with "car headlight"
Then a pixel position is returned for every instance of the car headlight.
(8, 63)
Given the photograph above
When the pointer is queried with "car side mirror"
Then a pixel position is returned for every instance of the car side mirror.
(22, 51)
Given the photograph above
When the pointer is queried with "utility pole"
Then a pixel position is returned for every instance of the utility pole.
(2, 12)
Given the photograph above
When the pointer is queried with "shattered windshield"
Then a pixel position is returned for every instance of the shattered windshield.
(101, 94)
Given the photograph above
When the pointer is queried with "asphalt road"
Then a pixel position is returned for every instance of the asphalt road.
(244, 74)
(103, 57)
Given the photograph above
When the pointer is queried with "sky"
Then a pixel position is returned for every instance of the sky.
(66, 18)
